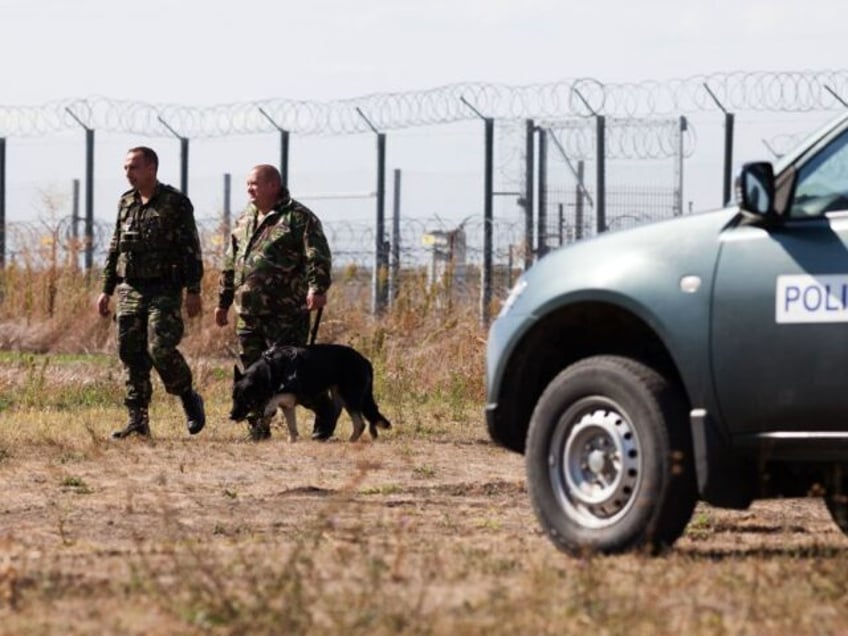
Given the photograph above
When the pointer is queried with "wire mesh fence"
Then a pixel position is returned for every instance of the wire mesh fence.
(558, 176)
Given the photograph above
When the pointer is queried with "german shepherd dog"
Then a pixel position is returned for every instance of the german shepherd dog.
(286, 376)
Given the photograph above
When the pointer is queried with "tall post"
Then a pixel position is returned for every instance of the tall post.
(75, 218)
(2, 202)
(678, 194)
(729, 120)
(542, 214)
(382, 253)
(75, 215)
(184, 165)
(284, 147)
(488, 219)
(581, 195)
(601, 178)
(183, 156)
(579, 201)
(394, 276)
(488, 194)
(728, 148)
(89, 192)
(227, 209)
(89, 199)
(601, 168)
(561, 223)
(284, 157)
(380, 272)
(529, 153)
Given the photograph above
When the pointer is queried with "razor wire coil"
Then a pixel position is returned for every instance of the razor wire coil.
(799, 91)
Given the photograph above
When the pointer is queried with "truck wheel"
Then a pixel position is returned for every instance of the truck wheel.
(609, 458)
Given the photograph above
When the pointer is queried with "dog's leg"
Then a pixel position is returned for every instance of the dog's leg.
(285, 402)
(358, 425)
(291, 421)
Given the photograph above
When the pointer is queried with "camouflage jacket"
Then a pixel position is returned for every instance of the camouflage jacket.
(156, 241)
(268, 269)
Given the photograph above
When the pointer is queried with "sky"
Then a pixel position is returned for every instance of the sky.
(221, 52)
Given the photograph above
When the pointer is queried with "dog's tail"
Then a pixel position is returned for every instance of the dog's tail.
(372, 414)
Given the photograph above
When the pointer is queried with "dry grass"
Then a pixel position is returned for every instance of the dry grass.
(426, 531)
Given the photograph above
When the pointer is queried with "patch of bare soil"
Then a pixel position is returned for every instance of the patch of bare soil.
(185, 535)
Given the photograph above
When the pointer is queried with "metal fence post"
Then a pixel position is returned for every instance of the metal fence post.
(488, 194)
(529, 152)
(542, 214)
(579, 200)
(183, 156)
(678, 195)
(284, 148)
(381, 257)
(728, 148)
(89, 192)
(394, 269)
(488, 198)
(601, 178)
(227, 207)
(382, 251)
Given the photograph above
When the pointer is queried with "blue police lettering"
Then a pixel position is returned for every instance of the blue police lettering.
(828, 297)
(812, 298)
(817, 297)
(792, 294)
(817, 293)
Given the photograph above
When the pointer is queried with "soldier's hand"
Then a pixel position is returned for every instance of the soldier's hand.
(103, 304)
(193, 304)
(314, 300)
(221, 317)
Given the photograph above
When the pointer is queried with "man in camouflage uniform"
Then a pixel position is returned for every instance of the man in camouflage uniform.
(276, 270)
(154, 253)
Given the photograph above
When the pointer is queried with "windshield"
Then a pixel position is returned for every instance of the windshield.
(791, 157)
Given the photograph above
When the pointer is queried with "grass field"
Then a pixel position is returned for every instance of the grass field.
(427, 530)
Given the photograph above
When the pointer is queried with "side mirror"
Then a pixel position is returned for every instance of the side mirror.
(756, 188)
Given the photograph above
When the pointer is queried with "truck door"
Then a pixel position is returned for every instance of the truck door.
(779, 337)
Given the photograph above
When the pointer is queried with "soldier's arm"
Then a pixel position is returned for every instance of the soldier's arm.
(109, 276)
(192, 255)
(226, 279)
(317, 254)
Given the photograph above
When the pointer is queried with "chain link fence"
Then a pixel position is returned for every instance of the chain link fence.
(570, 159)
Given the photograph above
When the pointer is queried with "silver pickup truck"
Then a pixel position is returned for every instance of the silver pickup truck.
(700, 358)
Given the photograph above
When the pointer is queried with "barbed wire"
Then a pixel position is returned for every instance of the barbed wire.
(38, 244)
(798, 91)
(629, 138)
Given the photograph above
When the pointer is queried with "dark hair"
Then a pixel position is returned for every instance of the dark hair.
(149, 155)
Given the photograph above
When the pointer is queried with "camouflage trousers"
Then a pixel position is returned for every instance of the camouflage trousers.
(150, 326)
(258, 333)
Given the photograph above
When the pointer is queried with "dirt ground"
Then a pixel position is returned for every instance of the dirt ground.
(134, 537)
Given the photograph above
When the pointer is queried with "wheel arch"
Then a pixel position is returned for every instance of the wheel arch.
(561, 338)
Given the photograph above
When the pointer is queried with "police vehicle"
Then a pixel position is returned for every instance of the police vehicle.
(700, 358)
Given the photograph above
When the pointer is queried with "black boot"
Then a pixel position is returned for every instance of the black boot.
(137, 424)
(193, 407)
(259, 428)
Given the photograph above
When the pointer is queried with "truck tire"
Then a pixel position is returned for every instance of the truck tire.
(609, 458)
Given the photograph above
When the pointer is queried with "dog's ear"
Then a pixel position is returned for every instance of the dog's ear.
(237, 374)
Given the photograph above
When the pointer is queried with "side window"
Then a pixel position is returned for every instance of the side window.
(822, 184)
